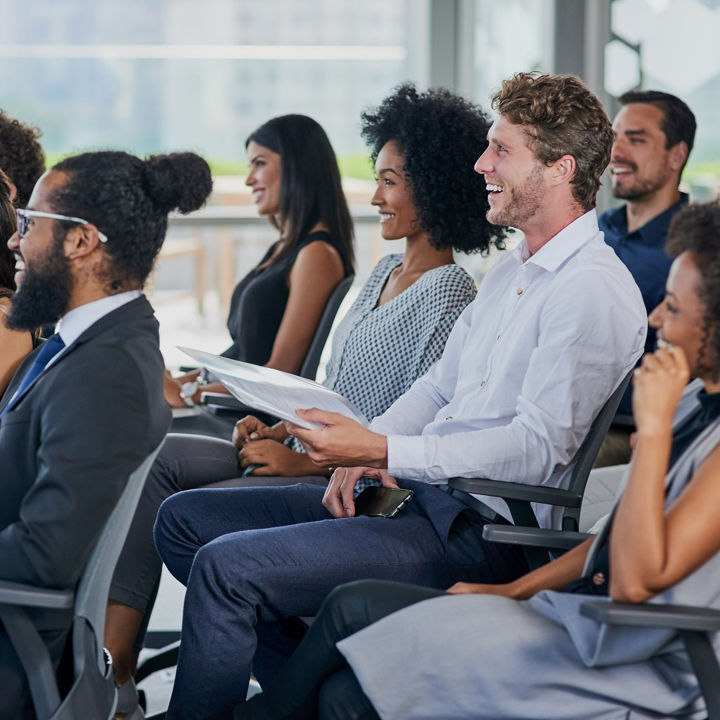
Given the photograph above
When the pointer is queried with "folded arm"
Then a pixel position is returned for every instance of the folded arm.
(651, 548)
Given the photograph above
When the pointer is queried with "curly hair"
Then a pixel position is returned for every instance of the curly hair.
(21, 156)
(129, 199)
(562, 117)
(440, 136)
(7, 228)
(696, 229)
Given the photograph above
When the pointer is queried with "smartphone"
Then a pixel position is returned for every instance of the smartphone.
(377, 501)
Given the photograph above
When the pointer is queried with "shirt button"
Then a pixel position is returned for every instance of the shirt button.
(498, 337)
(482, 384)
(519, 291)
(598, 578)
(449, 417)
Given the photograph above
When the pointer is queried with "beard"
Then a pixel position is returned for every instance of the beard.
(523, 201)
(638, 190)
(44, 293)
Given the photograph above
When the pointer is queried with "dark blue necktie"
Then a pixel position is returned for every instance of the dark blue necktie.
(51, 347)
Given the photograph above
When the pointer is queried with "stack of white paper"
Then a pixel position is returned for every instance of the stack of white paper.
(273, 391)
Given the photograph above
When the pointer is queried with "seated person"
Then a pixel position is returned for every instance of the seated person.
(69, 435)
(276, 308)
(22, 158)
(476, 653)
(654, 134)
(15, 344)
(554, 328)
(428, 194)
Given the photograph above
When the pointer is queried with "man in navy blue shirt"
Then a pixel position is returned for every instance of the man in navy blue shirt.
(654, 134)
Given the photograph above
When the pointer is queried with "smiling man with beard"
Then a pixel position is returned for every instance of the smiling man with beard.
(86, 407)
(654, 134)
(46, 289)
(556, 324)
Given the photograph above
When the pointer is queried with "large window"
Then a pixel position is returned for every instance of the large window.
(511, 36)
(158, 75)
(672, 45)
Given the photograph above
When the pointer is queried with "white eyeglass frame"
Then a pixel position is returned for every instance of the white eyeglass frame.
(54, 216)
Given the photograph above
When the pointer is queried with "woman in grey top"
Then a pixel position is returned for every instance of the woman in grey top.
(522, 650)
(424, 146)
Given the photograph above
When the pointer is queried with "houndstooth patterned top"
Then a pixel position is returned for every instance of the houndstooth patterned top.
(378, 352)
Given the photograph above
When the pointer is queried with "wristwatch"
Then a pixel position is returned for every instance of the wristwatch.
(187, 391)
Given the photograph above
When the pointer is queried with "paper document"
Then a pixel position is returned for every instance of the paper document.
(273, 391)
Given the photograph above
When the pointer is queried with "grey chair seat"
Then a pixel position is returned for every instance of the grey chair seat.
(92, 693)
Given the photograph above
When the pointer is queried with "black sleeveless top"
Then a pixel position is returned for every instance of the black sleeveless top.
(259, 300)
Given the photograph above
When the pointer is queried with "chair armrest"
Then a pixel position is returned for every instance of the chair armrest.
(677, 617)
(516, 491)
(623, 421)
(534, 537)
(31, 596)
(221, 400)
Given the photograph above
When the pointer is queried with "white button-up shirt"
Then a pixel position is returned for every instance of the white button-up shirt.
(72, 325)
(525, 370)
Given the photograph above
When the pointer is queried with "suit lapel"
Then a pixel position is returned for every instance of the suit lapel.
(137, 308)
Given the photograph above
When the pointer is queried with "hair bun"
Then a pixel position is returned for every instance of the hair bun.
(179, 181)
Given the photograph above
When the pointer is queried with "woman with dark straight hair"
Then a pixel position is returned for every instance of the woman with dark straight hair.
(14, 345)
(276, 307)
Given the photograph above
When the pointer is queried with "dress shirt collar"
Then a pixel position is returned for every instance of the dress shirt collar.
(566, 243)
(651, 232)
(77, 321)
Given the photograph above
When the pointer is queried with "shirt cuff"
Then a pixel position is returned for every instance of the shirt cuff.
(406, 457)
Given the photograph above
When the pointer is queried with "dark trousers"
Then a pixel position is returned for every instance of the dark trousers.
(185, 462)
(254, 557)
(316, 682)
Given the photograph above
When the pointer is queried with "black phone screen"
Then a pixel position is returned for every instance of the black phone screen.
(377, 501)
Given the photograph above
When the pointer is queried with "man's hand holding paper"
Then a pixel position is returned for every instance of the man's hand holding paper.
(339, 440)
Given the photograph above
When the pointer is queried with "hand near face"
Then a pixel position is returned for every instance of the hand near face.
(338, 498)
(340, 440)
(657, 386)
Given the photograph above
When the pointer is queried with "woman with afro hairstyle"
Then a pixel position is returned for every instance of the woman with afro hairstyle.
(275, 309)
(15, 344)
(424, 146)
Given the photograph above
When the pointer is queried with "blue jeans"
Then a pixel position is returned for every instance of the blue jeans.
(257, 556)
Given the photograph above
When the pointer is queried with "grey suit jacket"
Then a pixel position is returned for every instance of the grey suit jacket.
(70, 443)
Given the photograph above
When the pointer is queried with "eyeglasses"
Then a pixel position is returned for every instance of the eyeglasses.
(25, 216)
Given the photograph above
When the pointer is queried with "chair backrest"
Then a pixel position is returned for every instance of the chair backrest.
(586, 454)
(91, 605)
(312, 359)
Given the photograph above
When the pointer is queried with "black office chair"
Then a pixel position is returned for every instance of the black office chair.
(694, 625)
(92, 693)
(221, 404)
(519, 496)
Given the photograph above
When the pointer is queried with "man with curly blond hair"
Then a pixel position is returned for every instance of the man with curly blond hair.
(556, 325)
(21, 156)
